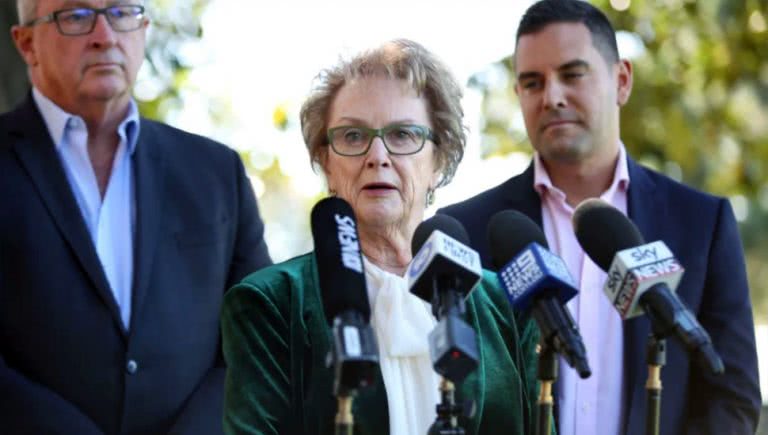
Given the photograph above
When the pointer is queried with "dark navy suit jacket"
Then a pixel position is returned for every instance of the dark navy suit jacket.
(701, 231)
(67, 364)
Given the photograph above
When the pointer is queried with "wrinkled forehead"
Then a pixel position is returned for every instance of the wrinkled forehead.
(376, 79)
(50, 5)
(382, 69)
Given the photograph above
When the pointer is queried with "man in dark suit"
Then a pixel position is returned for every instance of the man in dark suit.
(571, 84)
(118, 238)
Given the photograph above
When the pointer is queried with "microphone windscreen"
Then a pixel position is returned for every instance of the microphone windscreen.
(509, 232)
(441, 222)
(339, 262)
(602, 231)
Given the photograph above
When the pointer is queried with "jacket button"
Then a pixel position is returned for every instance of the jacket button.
(131, 367)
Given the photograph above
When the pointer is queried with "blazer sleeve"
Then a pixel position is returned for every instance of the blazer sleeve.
(27, 407)
(250, 250)
(729, 403)
(521, 336)
(256, 348)
(529, 341)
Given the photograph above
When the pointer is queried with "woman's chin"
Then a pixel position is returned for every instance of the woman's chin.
(380, 213)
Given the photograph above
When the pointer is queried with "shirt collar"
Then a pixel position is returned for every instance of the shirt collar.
(542, 183)
(57, 121)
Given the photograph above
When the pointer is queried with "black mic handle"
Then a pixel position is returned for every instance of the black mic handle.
(669, 316)
(446, 299)
(353, 355)
(559, 331)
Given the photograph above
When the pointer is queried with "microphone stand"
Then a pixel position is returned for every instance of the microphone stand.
(559, 336)
(657, 357)
(670, 318)
(345, 422)
(547, 374)
(453, 348)
(448, 411)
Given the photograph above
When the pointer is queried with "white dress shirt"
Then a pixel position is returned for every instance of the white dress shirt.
(111, 219)
(593, 405)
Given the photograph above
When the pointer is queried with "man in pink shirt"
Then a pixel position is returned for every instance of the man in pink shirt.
(571, 84)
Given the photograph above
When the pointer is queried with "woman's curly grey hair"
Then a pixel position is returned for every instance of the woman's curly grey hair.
(400, 59)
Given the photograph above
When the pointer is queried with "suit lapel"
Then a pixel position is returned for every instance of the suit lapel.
(38, 156)
(646, 214)
(148, 170)
(522, 197)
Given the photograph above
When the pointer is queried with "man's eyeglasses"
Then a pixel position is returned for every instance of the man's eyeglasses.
(81, 21)
(399, 139)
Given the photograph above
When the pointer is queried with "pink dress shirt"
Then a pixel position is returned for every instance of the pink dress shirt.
(594, 405)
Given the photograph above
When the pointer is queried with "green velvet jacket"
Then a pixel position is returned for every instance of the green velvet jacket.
(275, 341)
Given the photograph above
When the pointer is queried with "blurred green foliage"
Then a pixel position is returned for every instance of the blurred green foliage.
(174, 23)
(13, 72)
(698, 110)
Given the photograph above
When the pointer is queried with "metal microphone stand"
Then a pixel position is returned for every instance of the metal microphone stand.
(669, 316)
(559, 336)
(547, 374)
(453, 348)
(657, 357)
(345, 422)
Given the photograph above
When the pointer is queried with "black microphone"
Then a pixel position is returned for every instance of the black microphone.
(354, 354)
(440, 249)
(641, 277)
(535, 279)
(444, 270)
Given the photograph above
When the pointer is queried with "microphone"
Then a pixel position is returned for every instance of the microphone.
(439, 248)
(354, 354)
(537, 280)
(641, 277)
(444, 270)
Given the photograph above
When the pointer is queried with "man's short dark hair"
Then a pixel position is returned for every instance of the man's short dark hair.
(545, 12)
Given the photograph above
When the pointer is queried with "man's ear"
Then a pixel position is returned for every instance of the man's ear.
(623, 81)
(23, 39)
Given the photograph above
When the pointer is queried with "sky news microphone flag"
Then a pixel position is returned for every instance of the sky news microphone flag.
(642, 277)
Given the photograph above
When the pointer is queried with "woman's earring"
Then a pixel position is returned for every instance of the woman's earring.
(331, 193)
(430, 197)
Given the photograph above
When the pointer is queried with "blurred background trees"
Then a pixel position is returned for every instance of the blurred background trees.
(175, 24)
(13, 76)
(698, 111)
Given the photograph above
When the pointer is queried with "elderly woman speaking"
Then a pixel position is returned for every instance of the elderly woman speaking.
(386, 129)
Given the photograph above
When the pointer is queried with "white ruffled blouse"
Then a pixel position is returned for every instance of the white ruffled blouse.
(402, 323)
